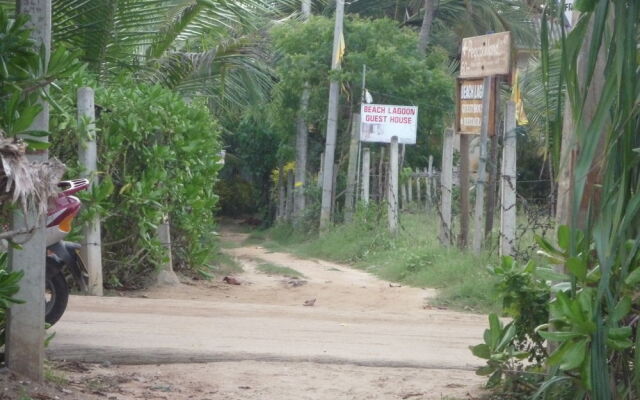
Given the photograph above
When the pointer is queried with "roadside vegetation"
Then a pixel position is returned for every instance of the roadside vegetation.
(275, 269)
(415, 257)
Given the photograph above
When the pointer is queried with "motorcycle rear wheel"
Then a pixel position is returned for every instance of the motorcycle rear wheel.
(56, 294)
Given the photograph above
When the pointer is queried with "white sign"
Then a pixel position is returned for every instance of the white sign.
(380, 122)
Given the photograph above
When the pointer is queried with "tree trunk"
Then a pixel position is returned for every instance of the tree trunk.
(427, 23)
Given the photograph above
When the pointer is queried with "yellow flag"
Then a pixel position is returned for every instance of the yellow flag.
(341, 49)
(521, 116)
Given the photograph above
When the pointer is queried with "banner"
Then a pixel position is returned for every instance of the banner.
(380, 122)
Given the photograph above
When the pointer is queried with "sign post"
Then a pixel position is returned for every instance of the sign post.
(483, 57)
(395, 125)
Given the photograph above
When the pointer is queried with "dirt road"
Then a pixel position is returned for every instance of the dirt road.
(361, 339)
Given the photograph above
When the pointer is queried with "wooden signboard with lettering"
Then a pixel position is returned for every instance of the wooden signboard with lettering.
(469, 95)
(486, 55)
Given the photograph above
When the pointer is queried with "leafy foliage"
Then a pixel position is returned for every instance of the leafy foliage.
(158, 155)
(305, 54)
(8, 289)
(24, 76)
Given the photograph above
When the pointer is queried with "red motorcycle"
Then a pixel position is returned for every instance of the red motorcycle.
(64, 264)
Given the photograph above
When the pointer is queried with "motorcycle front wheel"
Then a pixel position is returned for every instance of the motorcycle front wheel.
(56, 294)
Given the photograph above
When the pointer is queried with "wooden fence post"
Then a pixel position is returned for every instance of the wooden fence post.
(508, 198)
(446, 184)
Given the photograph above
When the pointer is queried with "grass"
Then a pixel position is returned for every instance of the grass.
(225, 265)
(415, 257)
(274, 269)
(54, 376)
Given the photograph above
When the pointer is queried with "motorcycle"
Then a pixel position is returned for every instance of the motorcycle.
(63, 258)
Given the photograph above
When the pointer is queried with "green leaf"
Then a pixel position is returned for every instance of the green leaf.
(486, 370)
(481, 351)
(621, 309)
(564, 237)
(619, 344)
(36, 144)
(619, 333)
(633, 278)
(574, 355)
(559, 336)
(585, 5)
(577, 267)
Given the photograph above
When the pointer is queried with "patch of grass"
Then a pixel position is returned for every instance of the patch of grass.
(274, 269)
(225, 264)
(414, 257)
(54, 376)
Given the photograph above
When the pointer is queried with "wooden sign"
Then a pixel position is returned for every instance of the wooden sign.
(469, 107)
(486, 55)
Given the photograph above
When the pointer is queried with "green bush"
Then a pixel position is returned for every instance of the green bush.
(157, 155)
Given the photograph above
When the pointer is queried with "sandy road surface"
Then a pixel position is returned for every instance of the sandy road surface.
(362, 339)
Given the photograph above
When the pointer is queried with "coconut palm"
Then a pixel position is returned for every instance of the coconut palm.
(203, 47)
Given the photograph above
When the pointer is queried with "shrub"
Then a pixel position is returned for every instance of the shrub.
(157, 156)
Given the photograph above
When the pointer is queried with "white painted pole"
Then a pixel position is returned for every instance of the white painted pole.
(446, 184)
(508, 193)
(91, 251)
(478, 228)
(393, 186)
(25, 322)
(366, 177)
(332, 122)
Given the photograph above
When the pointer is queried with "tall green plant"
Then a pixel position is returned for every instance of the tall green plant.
(158, 155)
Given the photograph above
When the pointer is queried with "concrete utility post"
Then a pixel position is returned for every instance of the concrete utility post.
(332, 122)
(88, 157)
(166, 275)
(25, 327)
(508, 173)
(446, 184)
(366, 166)
(478, 228)
(352, 169)
(302, 139)
(393, 186)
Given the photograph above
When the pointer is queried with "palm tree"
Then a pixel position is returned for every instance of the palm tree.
(198, 47)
